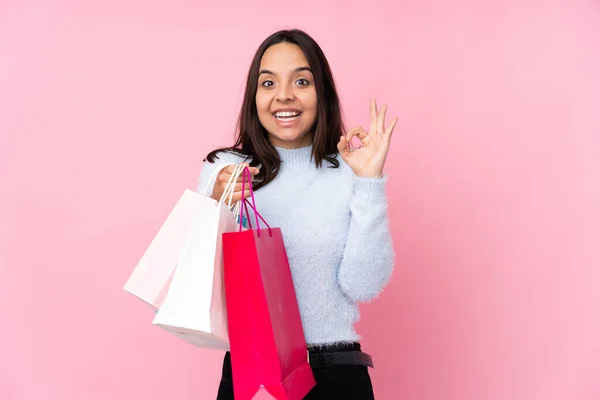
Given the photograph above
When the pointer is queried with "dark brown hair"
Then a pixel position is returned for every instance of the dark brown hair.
(252, 139)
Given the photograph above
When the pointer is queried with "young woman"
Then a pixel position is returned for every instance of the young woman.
(328, 199)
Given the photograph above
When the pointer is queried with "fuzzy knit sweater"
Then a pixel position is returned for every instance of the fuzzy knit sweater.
(337, 238)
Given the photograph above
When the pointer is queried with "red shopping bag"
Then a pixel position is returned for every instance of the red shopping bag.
(268, 349)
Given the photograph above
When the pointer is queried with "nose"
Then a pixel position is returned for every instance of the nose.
(285, 93)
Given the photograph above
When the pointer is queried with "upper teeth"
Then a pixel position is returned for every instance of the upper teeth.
(284, 114)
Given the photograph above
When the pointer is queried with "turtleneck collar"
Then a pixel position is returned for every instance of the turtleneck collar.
(300, 156)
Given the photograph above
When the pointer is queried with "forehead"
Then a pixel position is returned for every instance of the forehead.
(283, 57)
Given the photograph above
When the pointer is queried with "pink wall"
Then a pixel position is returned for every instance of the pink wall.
(106, 111)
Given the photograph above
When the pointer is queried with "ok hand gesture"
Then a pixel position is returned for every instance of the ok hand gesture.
(368, 160)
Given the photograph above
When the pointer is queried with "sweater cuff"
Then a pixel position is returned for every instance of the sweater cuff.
(370, 190)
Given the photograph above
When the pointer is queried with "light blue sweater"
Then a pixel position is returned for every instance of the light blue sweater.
(337, 238)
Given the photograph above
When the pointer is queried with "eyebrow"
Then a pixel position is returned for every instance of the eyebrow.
(299, 69)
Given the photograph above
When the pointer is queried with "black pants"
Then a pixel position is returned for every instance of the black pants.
(346, 382)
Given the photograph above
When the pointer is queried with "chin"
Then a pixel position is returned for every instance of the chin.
(289, 137)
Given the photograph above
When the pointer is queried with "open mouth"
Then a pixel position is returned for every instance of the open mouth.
(287, 116)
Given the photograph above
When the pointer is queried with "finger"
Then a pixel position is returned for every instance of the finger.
(245, 165)
(390, 128)
(343, 147)
(238, 186)
(253, 171)
(241, 184)
(356, 131)
(381, 120)
(239, 181)
(224, 176)
(373, 107)
(229, 169)
(239, 172)
(237, 196)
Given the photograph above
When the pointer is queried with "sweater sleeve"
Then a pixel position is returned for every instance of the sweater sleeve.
(368, 257)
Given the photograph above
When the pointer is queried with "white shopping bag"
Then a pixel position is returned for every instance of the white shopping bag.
(194, 308)
(151, 277)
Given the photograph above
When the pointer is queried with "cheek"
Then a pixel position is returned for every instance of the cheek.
(313, 106)
(312, 101)
(262, 104)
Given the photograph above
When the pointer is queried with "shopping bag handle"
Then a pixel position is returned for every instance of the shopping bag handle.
(230, 186)
(246, 176)
(247, 204)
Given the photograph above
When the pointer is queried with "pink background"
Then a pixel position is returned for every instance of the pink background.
(107, 108)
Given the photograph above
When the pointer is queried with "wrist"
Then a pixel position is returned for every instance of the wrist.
(369, 174)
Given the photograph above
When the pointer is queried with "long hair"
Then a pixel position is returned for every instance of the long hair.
(252, 138)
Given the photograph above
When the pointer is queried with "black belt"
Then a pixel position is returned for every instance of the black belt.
(338, 358)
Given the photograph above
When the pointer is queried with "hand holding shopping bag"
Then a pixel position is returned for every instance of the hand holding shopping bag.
(268, 348)
(194, 308)
(151, 277)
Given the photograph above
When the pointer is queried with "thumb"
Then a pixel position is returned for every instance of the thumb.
(343, 147)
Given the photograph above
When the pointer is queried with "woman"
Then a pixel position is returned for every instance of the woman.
(328, 199)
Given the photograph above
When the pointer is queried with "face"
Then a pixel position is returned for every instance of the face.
(286, 98)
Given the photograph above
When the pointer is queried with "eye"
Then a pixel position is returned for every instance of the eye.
(267, 83)
(302, 82)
